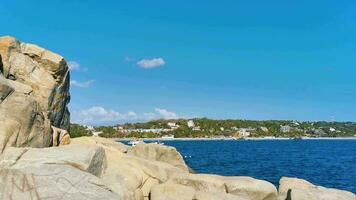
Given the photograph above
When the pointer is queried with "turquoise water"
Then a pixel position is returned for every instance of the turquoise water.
(329, 163)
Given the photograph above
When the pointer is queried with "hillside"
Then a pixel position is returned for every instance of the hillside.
(203, 127)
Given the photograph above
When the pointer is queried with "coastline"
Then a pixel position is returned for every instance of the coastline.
(229, 139)
(38, 157)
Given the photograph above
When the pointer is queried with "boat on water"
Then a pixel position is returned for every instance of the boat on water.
(134, 142)
(158, 142)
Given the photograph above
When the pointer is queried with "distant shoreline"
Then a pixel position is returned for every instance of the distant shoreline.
(216, 138)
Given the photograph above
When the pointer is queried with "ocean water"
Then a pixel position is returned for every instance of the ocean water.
(329, 163)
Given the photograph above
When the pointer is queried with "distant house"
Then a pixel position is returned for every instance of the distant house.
(196, 128)
(285, 129)
(190, 124)
(170, 124)
(295, 123)
(244, 132)
(173, 125)
(142, 130)
(331, 129)
(168, 137)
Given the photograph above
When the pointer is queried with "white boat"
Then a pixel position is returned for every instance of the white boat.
(158, 142)
(134, 142)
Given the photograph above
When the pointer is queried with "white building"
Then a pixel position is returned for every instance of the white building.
(243, 132)
(168, 137)
(170, 124)
(285, 129)
(141, 130)
(173, 125)
(190, 124)
(332, 129)
(196, 128)
(295, 123)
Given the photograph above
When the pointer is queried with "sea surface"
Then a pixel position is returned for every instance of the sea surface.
(329, 163)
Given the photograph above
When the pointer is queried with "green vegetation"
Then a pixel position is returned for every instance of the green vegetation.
(77, 130)
(213, 128)
(232, 128)
(108, 132)
(147, 125)
(136, 134)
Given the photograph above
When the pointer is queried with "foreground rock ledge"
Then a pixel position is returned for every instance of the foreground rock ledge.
(98, 168)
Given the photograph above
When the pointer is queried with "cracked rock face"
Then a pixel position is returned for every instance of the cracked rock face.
(34, 93)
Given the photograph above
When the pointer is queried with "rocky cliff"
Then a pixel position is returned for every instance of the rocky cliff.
(34, 93)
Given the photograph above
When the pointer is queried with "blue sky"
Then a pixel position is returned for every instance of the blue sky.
(140, 60)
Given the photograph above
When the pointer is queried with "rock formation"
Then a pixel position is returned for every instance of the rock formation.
(34, 93)
(299, 189)
(159, 153)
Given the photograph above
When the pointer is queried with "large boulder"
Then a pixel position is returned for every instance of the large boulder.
(221, 187)
(127, 175)
(201, 182)
(89, 158)
(172, 191)
(158, 152)
(65, 172)
(250, 188)
(48, 181)
(216, 196)
(103, 142)
(34, 93)
(298, 189)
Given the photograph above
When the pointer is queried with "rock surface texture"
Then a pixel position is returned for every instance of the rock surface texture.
(34, 93)
(159, 153)
(298, 189)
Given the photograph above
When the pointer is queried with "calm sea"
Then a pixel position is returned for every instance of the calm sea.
(329, 163)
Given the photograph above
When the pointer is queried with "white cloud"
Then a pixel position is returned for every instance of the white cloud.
(85, 84)
(165, 114)
(98, 115)
(75, 66)
(151, 63)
